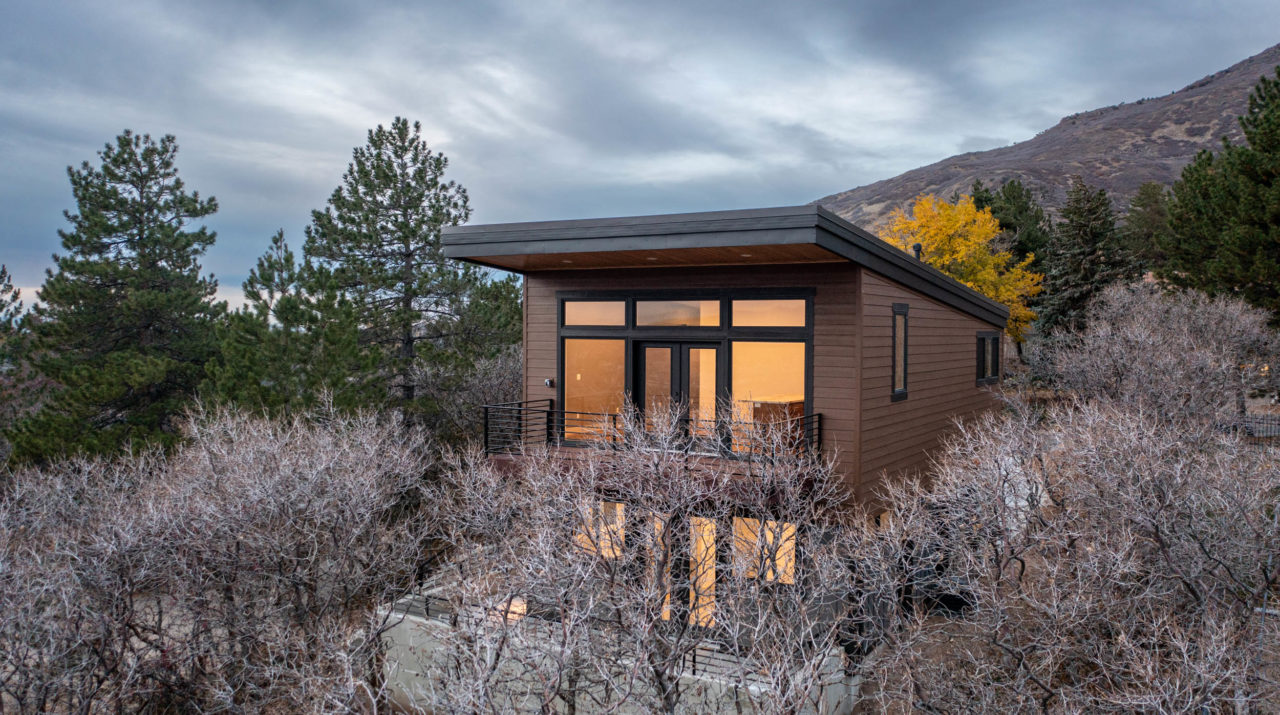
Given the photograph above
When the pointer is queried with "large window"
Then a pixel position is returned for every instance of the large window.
(768, 380)
(747, 351)
(595, 375)
(899, 351)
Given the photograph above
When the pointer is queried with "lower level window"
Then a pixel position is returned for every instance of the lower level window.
(765, 549)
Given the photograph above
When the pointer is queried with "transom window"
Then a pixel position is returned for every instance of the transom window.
(678, 313)
(595, 312)
(769, 313)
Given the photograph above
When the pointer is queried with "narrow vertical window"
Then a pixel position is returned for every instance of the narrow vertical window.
(988, 357)
(899, 351)
(702, 572)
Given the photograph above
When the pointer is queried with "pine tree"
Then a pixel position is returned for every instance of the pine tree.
(126, 323)
(294, 343)
(12, 394)
(10, 304)
(1225, 214)
(1084, 256)
(1022, 219)
(1146, 226)
(380, 236)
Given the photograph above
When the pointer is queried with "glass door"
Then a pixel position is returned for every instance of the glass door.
(678, 380)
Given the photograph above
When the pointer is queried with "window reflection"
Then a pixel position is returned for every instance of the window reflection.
(768, 391)
(899, 352)
(769, 313)
(594, 384)
(768, 381)
(684, 313)
(595, 312)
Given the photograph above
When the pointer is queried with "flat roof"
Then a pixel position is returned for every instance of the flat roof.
(769, 236)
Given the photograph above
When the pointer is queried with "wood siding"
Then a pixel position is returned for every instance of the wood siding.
(835, 317)
(898, 437)
(870, 434)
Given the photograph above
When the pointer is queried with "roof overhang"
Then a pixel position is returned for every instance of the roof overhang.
(775, 236)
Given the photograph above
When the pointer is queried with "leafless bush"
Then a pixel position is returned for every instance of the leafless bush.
(1107, 564)
(1179, 354)
(457, 392)
(636, 573)
(242, 573)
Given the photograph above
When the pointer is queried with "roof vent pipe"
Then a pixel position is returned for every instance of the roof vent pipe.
(918, 249)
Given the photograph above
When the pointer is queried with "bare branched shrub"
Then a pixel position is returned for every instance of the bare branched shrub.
(457, 392)
(1179, 354)
(243, 572)
(638, 573)
(1106, 562)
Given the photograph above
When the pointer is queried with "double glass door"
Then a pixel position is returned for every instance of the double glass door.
(678, 380)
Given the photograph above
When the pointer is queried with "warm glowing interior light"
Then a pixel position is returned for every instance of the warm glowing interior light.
(768, 381)
(660, 557)
(603, 529)
(683, 313)
(517, 608)
(594, 385)
(765, 549)
(595, 312)
(769, 313)
(702, 574)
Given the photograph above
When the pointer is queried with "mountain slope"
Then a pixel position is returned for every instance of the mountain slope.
(1118, 148)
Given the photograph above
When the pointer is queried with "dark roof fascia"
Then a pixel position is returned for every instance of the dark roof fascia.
(841, 237)
(749, 227)
(808, 224)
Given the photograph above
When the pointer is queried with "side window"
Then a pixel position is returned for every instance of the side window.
(899, 351)
(988, 360)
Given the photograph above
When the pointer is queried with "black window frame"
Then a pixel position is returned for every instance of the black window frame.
(895, 394)
(722, 335)
(985, 375)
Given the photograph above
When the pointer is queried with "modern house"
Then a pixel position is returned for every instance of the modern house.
(790, 317)
(789, 324)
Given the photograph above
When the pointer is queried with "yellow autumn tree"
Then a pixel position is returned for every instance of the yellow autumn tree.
(958, 239)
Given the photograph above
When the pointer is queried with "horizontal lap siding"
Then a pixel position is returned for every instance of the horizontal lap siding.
(900, 437)
(835, 386)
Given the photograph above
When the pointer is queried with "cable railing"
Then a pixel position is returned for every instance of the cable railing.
(514, 427)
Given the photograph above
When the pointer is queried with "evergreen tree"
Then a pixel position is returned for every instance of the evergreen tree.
(10, 306)
(1022, 219)
(126, 323)
(293, 343)
(1084, 256)
(11, 352)
(380, 236)
(1146, 227)
(1225, 214)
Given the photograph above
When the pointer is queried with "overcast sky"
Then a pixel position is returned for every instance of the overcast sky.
(552, 110)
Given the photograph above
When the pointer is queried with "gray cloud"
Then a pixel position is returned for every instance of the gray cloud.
(565, 108)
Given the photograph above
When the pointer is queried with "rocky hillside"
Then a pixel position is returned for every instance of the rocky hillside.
(1118, 148)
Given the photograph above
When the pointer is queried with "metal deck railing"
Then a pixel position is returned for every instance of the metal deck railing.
(514, 427)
